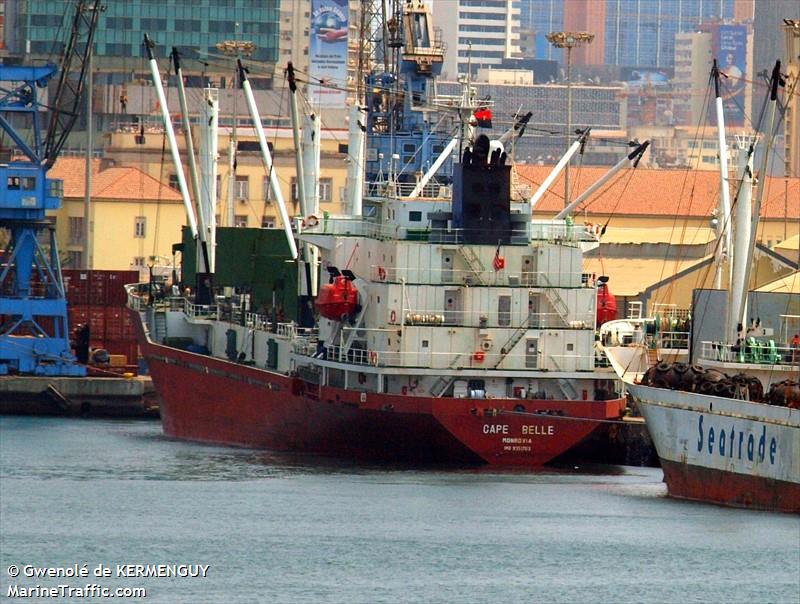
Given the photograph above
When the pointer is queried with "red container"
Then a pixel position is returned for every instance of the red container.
(97, 323)
(76, 284)
(116, 282)
(78, 315)
(115, 327)
(127, 347)
(128, 326)
(98, 287)
(45, 322)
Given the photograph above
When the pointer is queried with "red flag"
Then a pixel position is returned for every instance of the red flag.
(499, 262)
(484, 117)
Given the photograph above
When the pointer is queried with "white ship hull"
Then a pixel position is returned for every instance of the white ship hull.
(723, 450)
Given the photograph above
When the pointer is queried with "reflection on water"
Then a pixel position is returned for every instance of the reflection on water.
(294, 528)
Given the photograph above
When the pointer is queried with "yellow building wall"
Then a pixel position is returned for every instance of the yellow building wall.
(679, 292)
(122, 149)
(114, 245)
(770, 232)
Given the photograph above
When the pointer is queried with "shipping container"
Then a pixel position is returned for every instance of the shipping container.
(124, 347)
(116, 282)
(98, 288)
(76, 284)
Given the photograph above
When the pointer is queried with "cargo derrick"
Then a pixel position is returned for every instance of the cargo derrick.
(34, 331)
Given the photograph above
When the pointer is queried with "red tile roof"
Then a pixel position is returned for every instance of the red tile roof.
(649, 192)
(112, 183)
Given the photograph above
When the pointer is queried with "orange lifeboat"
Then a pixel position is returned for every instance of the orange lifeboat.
(338, 299)
(606, 302)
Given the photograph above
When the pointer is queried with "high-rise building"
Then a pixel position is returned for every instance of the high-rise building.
(478, 33)
(301, 43)
(628, 32)
(588, 16)
(542, 17)
(768, 31)
(693, 101)
(642, 32)
(791, 31)
(193, 26)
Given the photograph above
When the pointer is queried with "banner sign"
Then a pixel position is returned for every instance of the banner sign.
(730, 49)
(328, 52)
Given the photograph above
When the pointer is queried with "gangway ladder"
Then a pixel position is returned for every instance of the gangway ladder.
(566, 385)
(159, 326)
(356, 324)
(555, 299)
(513, 340)
(473, 262)
(441, 385)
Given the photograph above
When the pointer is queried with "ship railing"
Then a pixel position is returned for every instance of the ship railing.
(446, 360)
(673, 340)
(557, 232)
(751, 351)
(491, 320)
(503, 277)
(560, 231)
(199, 311)
(400, 190)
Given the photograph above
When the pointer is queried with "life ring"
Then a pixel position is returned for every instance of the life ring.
(311, 221)
(392, 317)
(479, 355)
(381, 273)
(373, 357)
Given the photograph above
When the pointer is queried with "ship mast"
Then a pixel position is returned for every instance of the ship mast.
(724, 219)
(768, 133)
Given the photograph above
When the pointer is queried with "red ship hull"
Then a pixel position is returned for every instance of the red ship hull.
(698, 483)
(212, 400)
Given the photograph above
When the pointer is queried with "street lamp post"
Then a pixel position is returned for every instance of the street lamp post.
(568, 40)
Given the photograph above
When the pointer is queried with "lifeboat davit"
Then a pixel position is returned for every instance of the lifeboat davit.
(338, 299)
(606, 302)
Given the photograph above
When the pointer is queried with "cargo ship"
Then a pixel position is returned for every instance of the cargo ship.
(450, 327)
(726, 425)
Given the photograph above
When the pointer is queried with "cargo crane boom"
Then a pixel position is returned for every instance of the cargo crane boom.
(34, 331)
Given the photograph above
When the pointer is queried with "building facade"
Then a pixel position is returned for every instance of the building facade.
(36, 30)
(627, 32)
(693, 100)
(792, 115)
(477, 33)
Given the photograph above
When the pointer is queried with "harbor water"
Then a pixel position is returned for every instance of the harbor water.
(142, 511)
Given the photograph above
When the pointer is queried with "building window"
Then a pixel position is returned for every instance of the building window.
(267, 222)
(173, 182)
(74, 259)
(294, 189)
(242, 190)
(138, 261)
(76, 230)
(325, 189)
(140, 226)
(240, 220)
(267, 189)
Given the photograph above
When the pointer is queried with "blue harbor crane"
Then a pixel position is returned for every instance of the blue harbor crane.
(34, 331)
